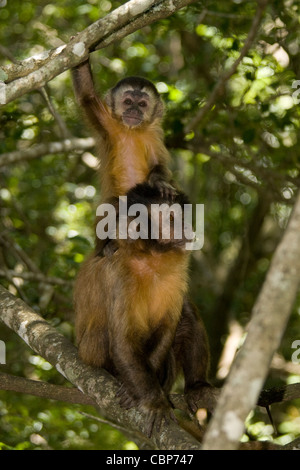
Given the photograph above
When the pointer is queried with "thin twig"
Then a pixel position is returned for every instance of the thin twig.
(63, 130)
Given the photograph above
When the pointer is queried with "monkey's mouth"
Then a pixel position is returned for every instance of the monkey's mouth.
(131, 121)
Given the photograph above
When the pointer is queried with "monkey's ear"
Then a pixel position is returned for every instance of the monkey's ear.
(159, 108)
(108, 98)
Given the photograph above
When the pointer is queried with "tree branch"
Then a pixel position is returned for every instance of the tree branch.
(44, 390)
(37, 71)
(64, 133)
(96, 383)
(269, 318)
(32, 276)
(38, 150)
(72, 395)
(279, 394)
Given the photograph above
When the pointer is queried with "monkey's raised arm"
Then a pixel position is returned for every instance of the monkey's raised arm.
(87, 97)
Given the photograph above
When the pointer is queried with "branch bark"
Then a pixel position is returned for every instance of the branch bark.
(269, 318)
(44, 390)
(32, 276)
(100, 386)
(279, 394)
(37, 71)
(39, 150)
(72, 395)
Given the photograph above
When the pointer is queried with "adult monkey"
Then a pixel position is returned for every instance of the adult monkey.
(132, 314)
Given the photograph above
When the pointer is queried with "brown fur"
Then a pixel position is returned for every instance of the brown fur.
(131, 314)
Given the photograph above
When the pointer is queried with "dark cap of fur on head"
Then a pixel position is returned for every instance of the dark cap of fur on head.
(137, 83)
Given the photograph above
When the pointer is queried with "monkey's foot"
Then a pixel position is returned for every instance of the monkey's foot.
(157, 418)
(158, 411)
(126, 400)
(202, 395)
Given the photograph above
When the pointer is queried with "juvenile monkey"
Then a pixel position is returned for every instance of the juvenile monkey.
(132, 314)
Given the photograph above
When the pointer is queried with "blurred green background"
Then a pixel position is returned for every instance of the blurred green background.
(242, 162)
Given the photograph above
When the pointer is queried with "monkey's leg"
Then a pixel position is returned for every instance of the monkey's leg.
(162, 357)
(140, 384)
(192, 353)
(93, 349)
(91, 327)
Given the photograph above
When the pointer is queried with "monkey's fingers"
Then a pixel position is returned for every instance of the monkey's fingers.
(164, 418)
(160, 420)
(120, 391)
(153, 418)
(157, 418)
(173, 417)
(150, 424)
(167, 191)
(127, 403)
(192, 405)
(202, 396)
(125, 399)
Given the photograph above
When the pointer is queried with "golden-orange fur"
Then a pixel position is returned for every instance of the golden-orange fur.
(130, 155)
(132, 316)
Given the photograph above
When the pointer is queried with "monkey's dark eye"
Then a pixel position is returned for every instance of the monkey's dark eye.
(142, 104)
(128, 101)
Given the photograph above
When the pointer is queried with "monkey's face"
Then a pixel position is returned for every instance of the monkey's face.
(135, 101)
(134, 107)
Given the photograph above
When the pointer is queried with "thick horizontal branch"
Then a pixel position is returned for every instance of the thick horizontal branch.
(279, 394)
(44, 390)
(126, 19)
(73, 395)
(96, 383)
(33, 276)
(38, 150)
